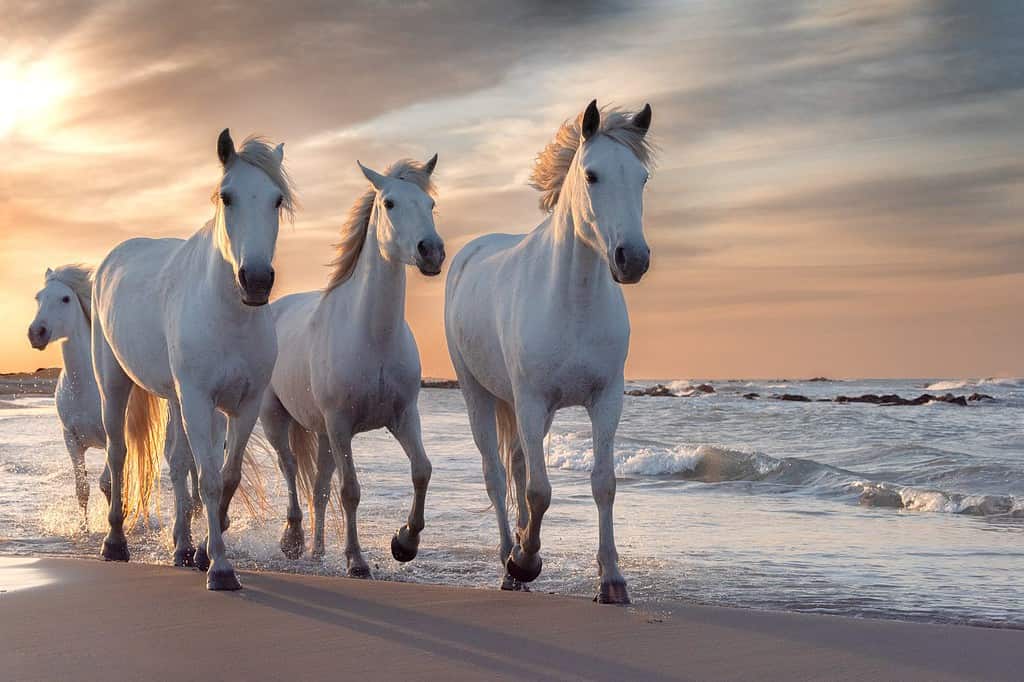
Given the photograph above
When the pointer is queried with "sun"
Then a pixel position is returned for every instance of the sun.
(29, 94)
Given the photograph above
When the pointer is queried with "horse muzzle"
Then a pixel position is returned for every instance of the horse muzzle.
(630, 263)
(39, 336)
(430, 257)
(256, 282)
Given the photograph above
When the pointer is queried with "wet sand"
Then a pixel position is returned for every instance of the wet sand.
(78, 619)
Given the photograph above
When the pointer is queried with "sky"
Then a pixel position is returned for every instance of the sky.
(838, 189)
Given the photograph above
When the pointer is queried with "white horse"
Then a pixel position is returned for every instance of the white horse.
(348, 362)
(65, 314)
(187, 320)
(538, 322)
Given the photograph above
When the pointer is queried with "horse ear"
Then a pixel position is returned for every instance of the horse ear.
(279, 153)
(375, 178)
(49, 271)
(225, 147)
(591, 120)
(430, 165)
(642, 119)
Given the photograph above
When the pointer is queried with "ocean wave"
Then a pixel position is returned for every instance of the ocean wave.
(709, 463)
(955, 384)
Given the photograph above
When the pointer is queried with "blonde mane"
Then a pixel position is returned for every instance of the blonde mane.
(553, 162)
(78, 278)
(353, 231)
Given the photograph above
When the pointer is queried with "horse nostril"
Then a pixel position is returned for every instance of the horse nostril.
(241, 277)
(620, 257)
(42, 331)
(423, 249)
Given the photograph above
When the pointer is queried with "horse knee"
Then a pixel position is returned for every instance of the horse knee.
(538, 496)
(211, 483)
(350, 494)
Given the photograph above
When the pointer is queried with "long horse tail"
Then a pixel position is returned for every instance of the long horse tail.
(508, 443)
(145, 428)
(252, 490)
(305, 446)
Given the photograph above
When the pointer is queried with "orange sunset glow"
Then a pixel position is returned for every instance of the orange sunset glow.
(827, 199)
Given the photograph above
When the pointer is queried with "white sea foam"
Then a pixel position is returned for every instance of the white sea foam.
(955, 384)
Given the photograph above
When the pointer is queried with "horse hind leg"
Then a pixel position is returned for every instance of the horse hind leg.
(115, 390)
(277, 424)
(325, 468)
(180, 462)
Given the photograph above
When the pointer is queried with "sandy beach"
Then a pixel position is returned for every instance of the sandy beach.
(80, 619)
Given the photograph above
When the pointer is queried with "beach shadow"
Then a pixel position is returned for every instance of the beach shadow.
(494, 651)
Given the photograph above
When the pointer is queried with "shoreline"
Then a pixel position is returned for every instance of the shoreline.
(318, 626)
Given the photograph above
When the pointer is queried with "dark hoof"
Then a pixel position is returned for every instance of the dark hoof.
(613, 593)
(510, 584)
(400, 551)
(185, 557)
(293, 544)
(524, 575)
(202, 559)
(222, 581)
(115, 551)
(362, 572)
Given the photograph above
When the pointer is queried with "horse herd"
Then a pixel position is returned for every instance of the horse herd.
(170, 345)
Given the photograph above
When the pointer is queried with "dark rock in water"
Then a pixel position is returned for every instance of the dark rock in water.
(893, 400)
(656, 391)
(751, 396)
(439, 383)
(813, 379)
(974, 397)
(793, 397)
(989, 505)
(880, 497)
(704, 388)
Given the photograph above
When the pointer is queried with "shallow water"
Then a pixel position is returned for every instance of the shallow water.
(900, 512)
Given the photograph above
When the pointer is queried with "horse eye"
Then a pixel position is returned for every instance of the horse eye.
(66, 299)
(280, 200)
(226, 198)
(591, 177)
(388, 204)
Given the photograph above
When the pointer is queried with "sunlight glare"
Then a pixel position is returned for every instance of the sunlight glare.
(28, 92)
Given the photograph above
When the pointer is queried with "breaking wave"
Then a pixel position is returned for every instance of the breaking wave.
(955, 384)
(708, 463)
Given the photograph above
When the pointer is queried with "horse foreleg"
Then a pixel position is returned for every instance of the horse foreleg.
(604, 418)
(198, 412)
(240, 427)
(77, 453)
(341, 446)
(406, 430)
(533, 416)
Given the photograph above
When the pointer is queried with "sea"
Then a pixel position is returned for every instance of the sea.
(858, 509)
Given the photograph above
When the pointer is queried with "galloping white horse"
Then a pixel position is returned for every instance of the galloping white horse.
(65, 314)
(348, 362)
(538, 322)
(186, 320)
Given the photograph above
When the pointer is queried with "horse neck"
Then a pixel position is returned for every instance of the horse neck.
(578, 271)
(76, 350)
(375, 295)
